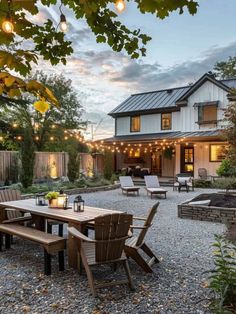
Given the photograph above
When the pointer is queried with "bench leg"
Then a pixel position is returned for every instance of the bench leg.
(49, 228)
(61, 260)
(47, 263)
(7, 241)
(1, 238)
(60, 230)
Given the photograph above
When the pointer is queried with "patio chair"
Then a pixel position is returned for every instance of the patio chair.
(153, 186)
(183, 180)
(202, 174)
(134, 245)
(127, 185)
(111, 231)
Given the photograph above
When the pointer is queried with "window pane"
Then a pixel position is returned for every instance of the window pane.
(207, 113)
(135, 124)
(166, 121)
(217, 152)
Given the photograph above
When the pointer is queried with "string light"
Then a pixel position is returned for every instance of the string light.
(120, 5)
(7, 24)
(63, 23)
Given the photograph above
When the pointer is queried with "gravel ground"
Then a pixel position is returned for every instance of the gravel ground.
(177, 284)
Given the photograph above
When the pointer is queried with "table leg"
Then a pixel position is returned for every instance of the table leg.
(2, 214)
(39, 222)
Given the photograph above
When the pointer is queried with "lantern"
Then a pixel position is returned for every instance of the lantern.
(62, 201)
(40, 199)
(78, 204)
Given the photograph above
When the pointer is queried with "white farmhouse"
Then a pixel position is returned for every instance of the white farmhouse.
(171, 131)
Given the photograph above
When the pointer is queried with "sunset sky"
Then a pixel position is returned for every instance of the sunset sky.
(183, 48)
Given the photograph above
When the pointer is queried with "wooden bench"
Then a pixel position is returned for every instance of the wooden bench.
(51, 243)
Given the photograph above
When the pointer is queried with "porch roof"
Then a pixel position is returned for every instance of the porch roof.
(195, 136)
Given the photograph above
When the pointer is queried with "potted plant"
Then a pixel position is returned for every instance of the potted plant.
(52, 199)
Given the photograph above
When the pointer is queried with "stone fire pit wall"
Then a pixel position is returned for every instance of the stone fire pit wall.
(206, 213)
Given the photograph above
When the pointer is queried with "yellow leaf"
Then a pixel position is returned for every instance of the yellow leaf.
(9, 81)
(3, 74)
(34, 86)
(1, 90)
(41, 106)
(14, 93)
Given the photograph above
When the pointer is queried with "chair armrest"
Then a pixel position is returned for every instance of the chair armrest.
(19, 219)
(139, 218)
(77, 234)
(137, 227)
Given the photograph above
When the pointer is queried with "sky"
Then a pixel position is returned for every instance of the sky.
(183, 48)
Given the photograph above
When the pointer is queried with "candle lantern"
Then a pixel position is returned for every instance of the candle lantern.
(78, 204)
(40, 199)
(62, 201)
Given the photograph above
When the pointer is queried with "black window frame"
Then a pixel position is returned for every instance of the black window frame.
(132, 117)
(170, 113)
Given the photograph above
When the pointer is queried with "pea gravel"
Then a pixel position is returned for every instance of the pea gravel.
(177, 285)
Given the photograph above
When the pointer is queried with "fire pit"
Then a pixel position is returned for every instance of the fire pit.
(216, 207)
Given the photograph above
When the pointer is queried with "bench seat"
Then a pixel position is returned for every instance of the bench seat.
(51, 243)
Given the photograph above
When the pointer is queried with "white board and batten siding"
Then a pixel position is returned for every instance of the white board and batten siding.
(183, 120)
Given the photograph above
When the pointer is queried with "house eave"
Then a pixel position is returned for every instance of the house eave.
(144, 112)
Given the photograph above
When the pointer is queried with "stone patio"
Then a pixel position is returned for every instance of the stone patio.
(177, 284)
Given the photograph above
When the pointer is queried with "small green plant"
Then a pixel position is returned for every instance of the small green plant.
(168, 152)
(108, 165)
(226, 169)
(223, 276)
(225, 183)
(52, 195)
(198, 183)
(73, 165)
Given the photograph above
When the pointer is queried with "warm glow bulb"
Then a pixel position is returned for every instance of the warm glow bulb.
(120, 5)
(7, 26)
(63, 23)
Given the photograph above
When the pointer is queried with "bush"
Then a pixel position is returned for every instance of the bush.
(223, 277)
(202, 184)
(225, 183)
(27, 156)
(73, 166)
(226, 169)
(108, 165)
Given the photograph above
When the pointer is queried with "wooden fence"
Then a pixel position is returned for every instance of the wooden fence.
(48, 164)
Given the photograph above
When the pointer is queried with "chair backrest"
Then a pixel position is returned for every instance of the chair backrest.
(126, 181)
(147, 224)
(202, 173)
(111, 231)
(11, 195)
(152, 181)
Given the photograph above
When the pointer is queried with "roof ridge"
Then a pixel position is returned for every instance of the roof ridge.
(161, 90)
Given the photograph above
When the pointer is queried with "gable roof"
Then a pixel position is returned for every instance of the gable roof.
(167, 99)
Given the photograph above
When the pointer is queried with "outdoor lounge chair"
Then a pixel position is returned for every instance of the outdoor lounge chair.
(111, 231)
(127, 185)
(153, 186)
(136, 244)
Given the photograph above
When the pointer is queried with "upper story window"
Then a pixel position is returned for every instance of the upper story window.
(207, 113)
(135, 124)
(166, 121)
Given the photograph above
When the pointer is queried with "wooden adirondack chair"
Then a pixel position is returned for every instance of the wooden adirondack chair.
(135, 244)
(111, 232)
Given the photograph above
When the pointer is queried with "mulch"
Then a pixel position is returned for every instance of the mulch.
(218, 199)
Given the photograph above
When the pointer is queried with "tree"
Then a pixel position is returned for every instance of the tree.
(48, 130)
(73, 165)
(50, 44)
(225, 69)
(27, 156)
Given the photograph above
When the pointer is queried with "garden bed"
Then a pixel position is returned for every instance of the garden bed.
(221, 208)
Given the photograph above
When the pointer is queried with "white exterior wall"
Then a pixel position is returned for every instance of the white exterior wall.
(183, 120)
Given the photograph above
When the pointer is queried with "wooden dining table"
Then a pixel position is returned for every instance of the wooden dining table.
(39, 214)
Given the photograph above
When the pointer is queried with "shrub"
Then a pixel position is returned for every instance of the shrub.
(108, 165)
(224, 183)
(223, 277)
(226, 169)
(27, 156)
(73, 166)
(202, 183)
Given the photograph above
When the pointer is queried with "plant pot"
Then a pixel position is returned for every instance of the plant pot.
(52, 203)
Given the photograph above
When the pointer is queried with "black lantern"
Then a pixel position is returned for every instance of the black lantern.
(78, 204)
(40, 199)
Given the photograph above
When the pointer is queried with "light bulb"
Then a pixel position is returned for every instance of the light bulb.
(63, 23)
(7, 26)
(120, 5)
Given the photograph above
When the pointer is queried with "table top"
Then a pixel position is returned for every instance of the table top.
(65, 215)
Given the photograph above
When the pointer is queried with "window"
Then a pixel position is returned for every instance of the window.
(217, 152)
(166, 121)
(207, 114)
(135, 124)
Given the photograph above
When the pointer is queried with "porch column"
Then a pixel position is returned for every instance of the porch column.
(177, 158)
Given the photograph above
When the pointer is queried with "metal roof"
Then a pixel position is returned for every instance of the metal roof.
(163, 99)
(163, 135)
